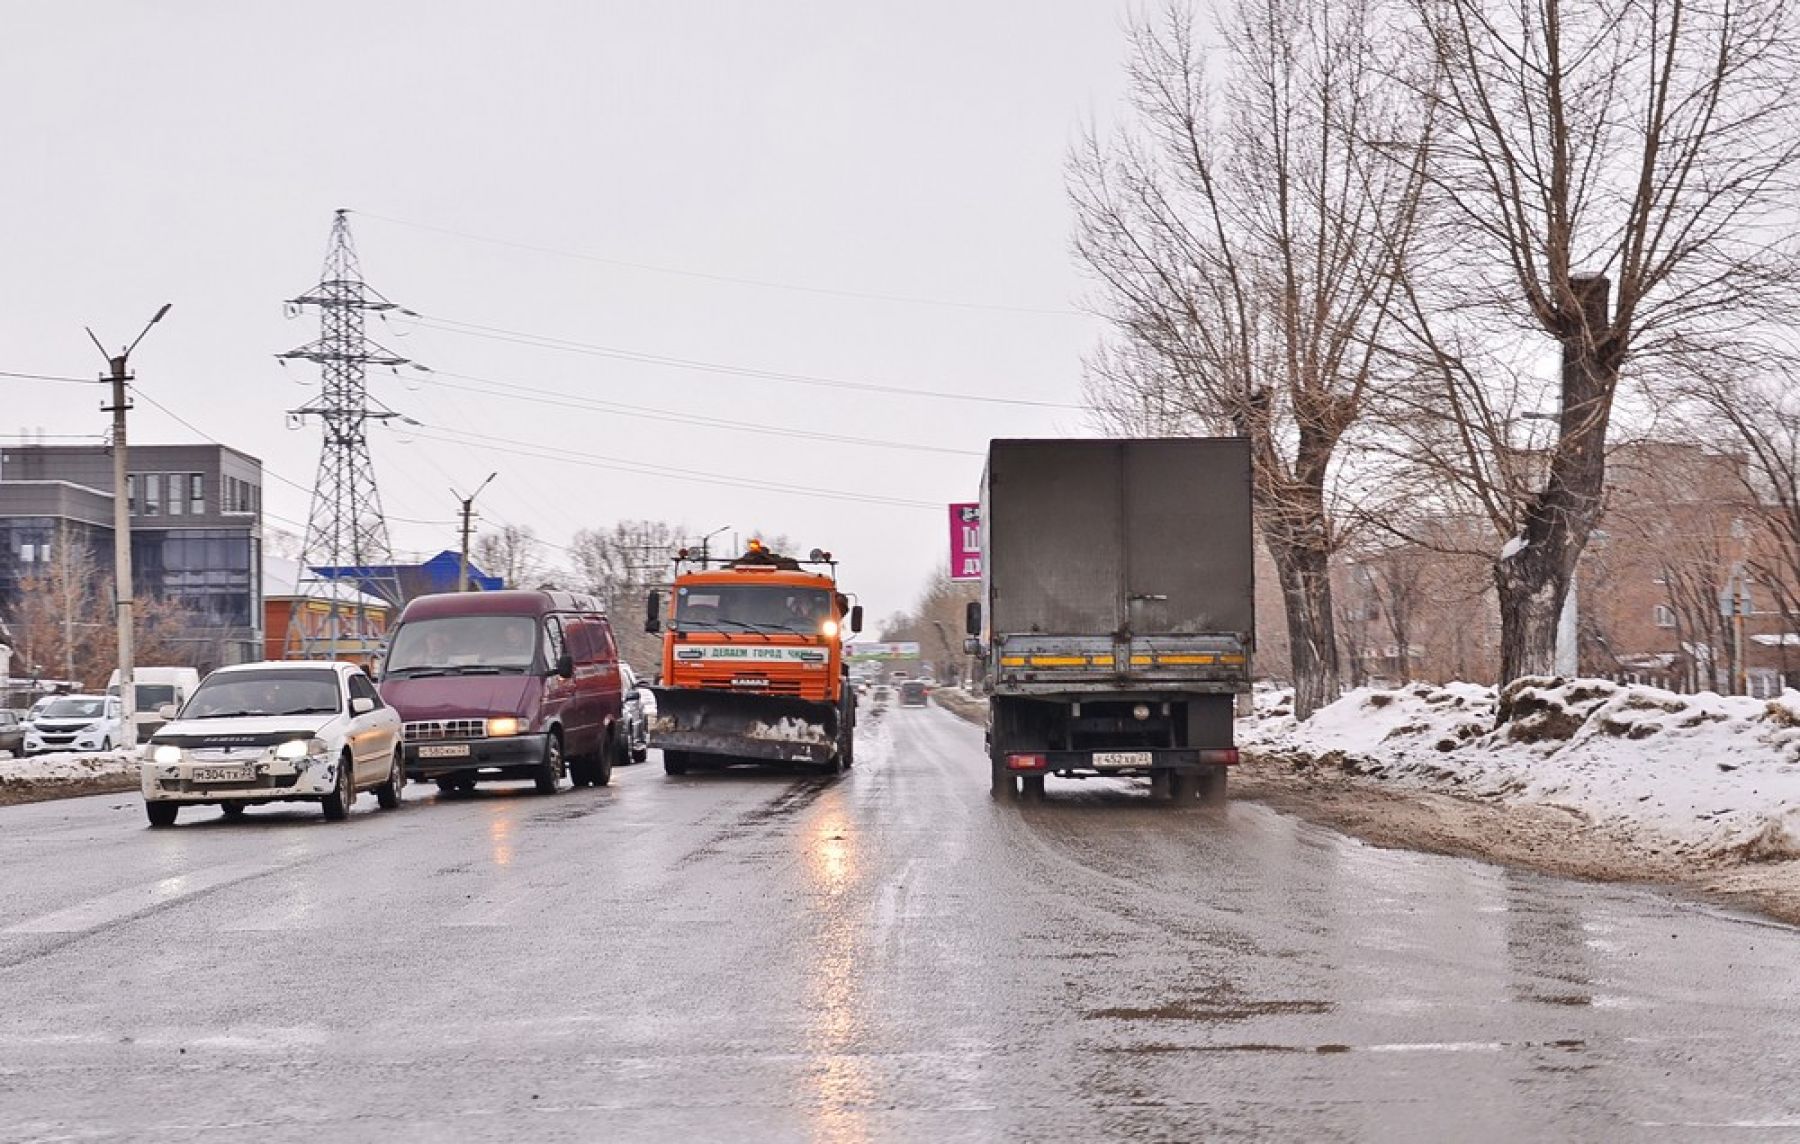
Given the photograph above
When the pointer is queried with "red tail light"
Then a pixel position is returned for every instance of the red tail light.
(1226, 755)
(1026, 762)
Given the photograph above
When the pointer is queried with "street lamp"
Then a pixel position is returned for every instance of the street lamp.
(118, 374)
(703, 542)
(468, 518)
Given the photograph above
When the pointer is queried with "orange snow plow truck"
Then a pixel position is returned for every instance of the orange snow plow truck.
(753, 663)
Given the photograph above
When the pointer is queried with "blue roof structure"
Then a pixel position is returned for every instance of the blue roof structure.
(439, 574)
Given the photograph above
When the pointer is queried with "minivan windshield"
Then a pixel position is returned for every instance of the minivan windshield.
(276, 691)
(74, 708)
(464, 645)
(751, 607)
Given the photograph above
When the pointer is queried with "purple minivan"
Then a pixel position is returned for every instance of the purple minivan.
(506, 685)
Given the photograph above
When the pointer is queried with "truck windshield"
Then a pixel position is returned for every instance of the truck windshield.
(151, 696)
(753, 607)
(464, 645)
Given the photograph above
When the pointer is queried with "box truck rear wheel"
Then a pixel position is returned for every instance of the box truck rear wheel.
(675, 762)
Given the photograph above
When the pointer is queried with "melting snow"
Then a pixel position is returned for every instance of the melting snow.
(67, 766)
(1715, 775)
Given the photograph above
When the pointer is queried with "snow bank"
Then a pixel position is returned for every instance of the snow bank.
(1716, 776)
(66, 767)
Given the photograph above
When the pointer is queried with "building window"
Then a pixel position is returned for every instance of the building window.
(152, 494)
(197, 494)
(131, 503)
(177, 494)
(1664, 616)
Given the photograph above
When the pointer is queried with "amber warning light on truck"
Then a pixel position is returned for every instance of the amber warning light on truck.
(965, 541)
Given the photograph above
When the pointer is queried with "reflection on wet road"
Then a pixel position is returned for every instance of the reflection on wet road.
(765, 955)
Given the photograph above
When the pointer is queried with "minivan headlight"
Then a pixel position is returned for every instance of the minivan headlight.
(502, 726)
(168, 754)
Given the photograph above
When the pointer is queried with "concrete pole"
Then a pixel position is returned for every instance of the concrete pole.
(122, 557)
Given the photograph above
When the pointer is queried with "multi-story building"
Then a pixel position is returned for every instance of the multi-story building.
(196, 531)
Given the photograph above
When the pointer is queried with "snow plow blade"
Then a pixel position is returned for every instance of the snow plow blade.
(746, 726)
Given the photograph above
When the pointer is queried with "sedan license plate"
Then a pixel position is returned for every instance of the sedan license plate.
(1110, 759)
(240, 774)
(444, 751)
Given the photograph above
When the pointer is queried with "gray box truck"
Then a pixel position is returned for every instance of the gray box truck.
(1119, 610)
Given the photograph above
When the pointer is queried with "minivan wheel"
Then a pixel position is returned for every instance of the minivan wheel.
(550, 771)
(675, 762)
(614, 754)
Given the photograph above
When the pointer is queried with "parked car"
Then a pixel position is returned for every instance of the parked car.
(271, 732)
(508, 685)
(638, 707)
(914, 693)
(12, 732)
(75, 723)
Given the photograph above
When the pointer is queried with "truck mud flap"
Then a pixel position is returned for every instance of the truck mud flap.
(743, 725)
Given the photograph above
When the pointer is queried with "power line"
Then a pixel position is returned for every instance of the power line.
(543, 341)
(571, 401)
(266, 470)
(731, 279)
(541, 451)
(54, 377)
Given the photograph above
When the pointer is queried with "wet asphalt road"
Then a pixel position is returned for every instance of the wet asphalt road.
(753, 955)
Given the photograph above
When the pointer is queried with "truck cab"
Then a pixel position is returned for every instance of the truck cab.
(753, 662)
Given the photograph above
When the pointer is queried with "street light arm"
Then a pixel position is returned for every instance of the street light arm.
(154, 318)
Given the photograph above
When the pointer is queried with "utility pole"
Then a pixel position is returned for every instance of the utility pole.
(118, 373)
(468, 522)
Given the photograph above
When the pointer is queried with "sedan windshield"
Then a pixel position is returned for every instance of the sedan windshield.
(464, 645)
(744, 607)
(74, 709)
(283, 691)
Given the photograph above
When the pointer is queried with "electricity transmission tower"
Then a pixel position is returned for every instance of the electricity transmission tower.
(345, 557)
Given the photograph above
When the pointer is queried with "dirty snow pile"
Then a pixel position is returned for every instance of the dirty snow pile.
(1712, 775)
(60, 767)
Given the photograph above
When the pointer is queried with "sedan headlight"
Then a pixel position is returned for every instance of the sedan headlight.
(501, 727)
(167, 754)
(296, 749)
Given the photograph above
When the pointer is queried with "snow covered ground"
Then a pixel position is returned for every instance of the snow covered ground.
(65, 767)
(1709, 775)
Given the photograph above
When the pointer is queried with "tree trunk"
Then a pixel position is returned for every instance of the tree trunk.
(1304, 572)
(1533, 577)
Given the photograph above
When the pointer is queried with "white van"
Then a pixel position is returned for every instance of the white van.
(155, 687)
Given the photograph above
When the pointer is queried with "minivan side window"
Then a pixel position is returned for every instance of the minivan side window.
(553, 640)
(603, 636)
(580, 637)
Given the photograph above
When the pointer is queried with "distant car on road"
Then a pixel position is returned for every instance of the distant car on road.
(12, 732)
(274, 732)
(637, 705)
(914, 693)
(75, 723)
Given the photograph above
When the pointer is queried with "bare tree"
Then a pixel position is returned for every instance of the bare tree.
(621, 565)
(1605, 174)
(62, 619)
(513, 554)
(1237, 236)
(935, 623)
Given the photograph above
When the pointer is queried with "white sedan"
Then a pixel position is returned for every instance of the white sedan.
(273, 732)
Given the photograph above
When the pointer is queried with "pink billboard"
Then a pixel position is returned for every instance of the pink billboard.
(965, 542)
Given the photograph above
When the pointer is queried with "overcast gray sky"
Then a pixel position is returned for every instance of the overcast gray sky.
(902, 163)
